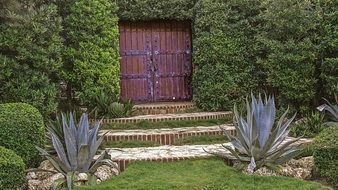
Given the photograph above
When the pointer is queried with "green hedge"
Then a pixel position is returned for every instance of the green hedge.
(329, 48)
(291, 50)
(222, 58)
(326, 154)
(12, 169)
(91, 52)
(21, 129)
(30, 55)
(155, 9)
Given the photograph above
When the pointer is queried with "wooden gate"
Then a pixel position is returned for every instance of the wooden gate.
(155, 61)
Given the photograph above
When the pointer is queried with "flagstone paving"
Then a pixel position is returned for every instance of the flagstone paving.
(169, 153)
(165, 136)
(170, 117)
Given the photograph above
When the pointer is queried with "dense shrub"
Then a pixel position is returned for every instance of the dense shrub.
(21, 129)
(288, 37)
(30, 54)
(329, 65)
(155, 9)
(326, 154)
(91, 57)
(12, 169)
(223, 51)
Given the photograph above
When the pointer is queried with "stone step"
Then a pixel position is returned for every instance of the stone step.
(170, 117)
(163, 108)
(168, 153)
(165, 136)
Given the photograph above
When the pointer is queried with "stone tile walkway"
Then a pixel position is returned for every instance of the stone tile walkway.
(168, 153)
(165, 136)
(171, 117)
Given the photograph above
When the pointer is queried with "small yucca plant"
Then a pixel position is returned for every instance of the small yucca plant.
(76, 150)
(260, 141)
(332, 110)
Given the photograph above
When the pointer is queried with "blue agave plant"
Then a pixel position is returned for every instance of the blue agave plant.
(260, 141)
(76, 150)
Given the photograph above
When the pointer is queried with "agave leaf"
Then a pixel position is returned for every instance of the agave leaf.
(40, 170)
(83, 158)
(70, 180)
(70, 143)
(59, 166)
(106, 162)
(284, 127)
(280, 150)
(287, 156)
(83, 130)
(60, 150)
(239, 146)
(72, 126)
(234, 153)
(101, 157)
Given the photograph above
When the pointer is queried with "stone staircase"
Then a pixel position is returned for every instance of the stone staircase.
(170, 117)
(168, 153)
(165, 137)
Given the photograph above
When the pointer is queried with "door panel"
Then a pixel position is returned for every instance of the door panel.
(155, 61)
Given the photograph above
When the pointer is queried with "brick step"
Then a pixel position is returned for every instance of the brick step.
(163, 108)
(168, 153)
(170, 117)
(165, 136)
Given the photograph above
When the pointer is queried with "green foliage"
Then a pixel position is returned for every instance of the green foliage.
(329, 65)
(222, 52)
(30, 48)
(259, 140)
(108, 108)
(76, 149)
(21, 129)
(12, 169)
(154, 9)
(326, 154)
(91, 53)
(288, 37)
(309, 126)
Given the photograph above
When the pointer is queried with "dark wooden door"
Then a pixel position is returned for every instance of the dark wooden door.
(155, 61)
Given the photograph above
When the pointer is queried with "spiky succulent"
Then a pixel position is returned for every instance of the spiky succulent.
(260, 141)
(76, 150)
(333, 112)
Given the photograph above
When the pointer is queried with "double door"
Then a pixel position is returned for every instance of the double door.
(155, 61)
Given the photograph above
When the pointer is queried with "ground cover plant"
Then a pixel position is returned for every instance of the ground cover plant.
(309, 126)
(167, 124)
(196, 174)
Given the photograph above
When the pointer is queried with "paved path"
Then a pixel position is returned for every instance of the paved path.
(165, 136)
(171, 117)
(168, 153)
